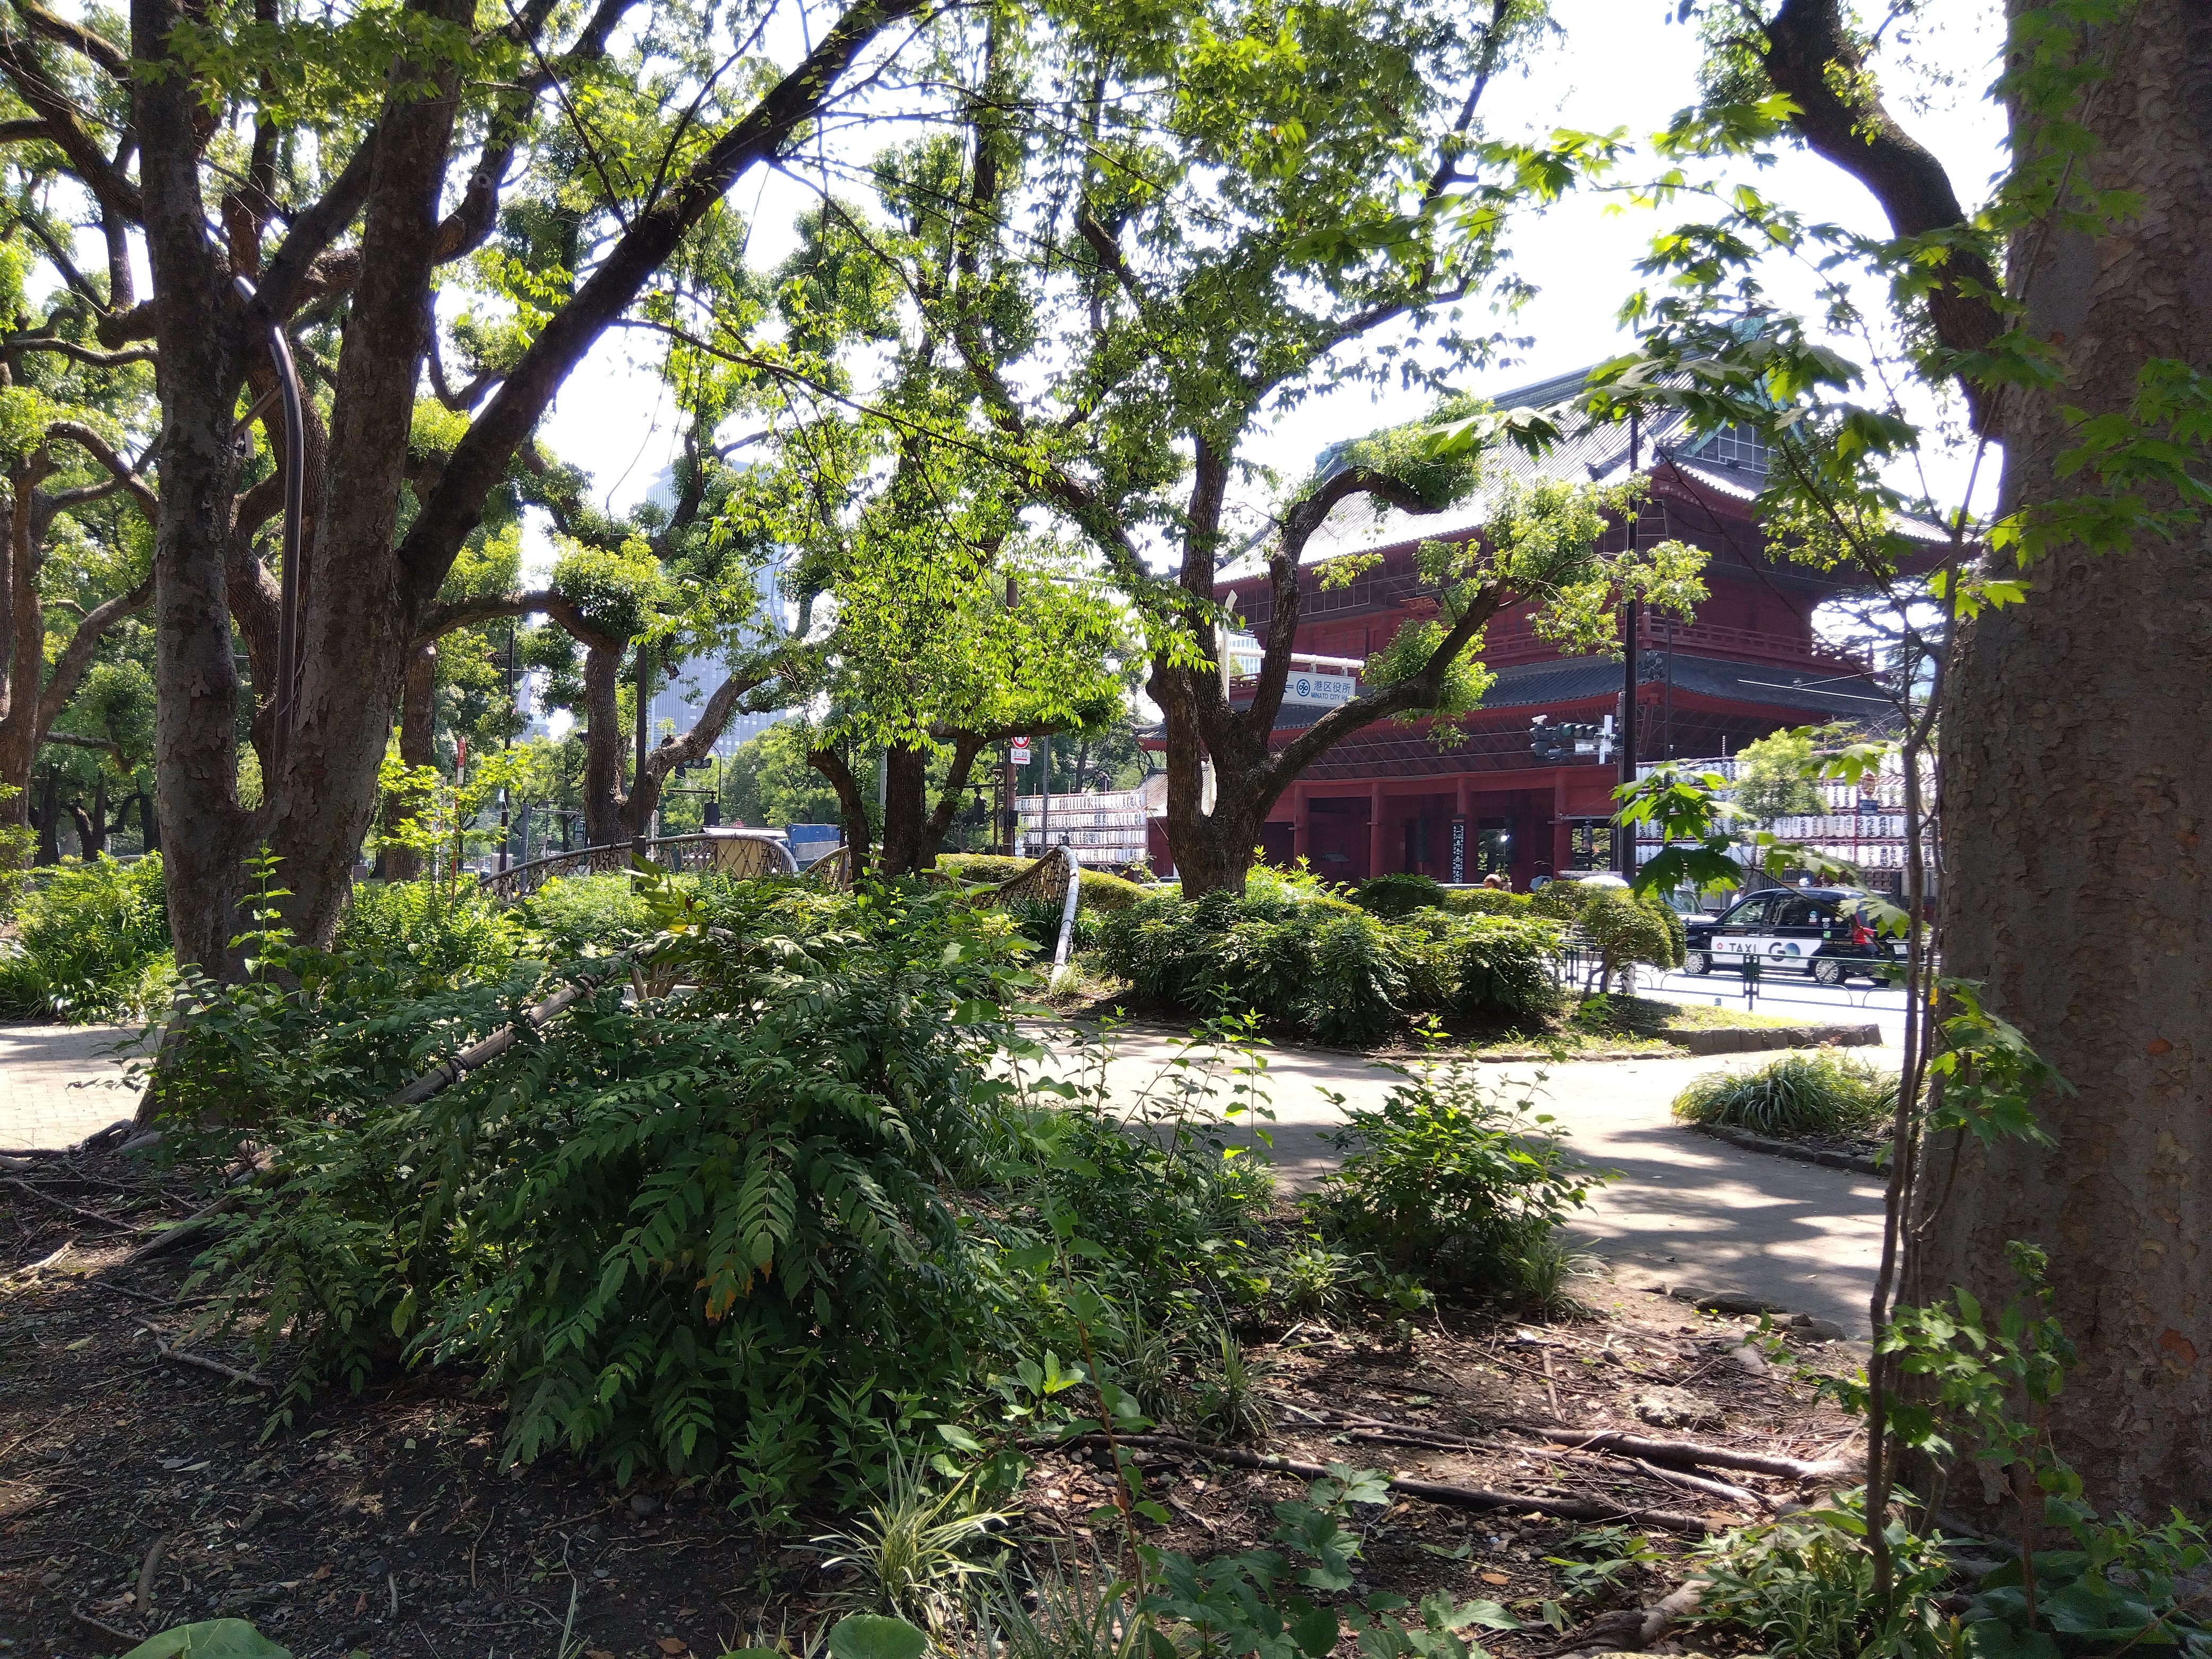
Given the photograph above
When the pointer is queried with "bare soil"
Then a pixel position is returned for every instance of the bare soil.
(381, 1520)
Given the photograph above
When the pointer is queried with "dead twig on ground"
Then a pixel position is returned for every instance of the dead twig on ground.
(74, 1209)
(186, 1357)
(1743, 1496)
(108, 1630)
(1472, 1498)
(1682, 1451)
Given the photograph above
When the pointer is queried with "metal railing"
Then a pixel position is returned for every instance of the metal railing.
(740, 852)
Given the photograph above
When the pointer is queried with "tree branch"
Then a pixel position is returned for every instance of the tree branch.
(59, 114)
(75, 36)
(481, 459)
(1799, 47)
(76, 657)
(97, 446)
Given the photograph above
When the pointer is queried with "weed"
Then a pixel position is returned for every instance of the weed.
(1226, 1405)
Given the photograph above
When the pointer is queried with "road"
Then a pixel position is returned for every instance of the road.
(1682, 1209)
(1789, 995)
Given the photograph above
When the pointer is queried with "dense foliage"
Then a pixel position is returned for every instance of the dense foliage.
(1101, 891)
(779, 1208)
(92, 942)
(1314, 963)
(1798, 1094)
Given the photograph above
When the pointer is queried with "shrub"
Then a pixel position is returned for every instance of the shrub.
(451, 938)
(1451, 1178)
(1488, 902)
(1311, 962)
(1398, 894)
(1798, 1094)
(1626, 928)
(93, 944)
(1101, 891)
(676, 1232)
(574, 911)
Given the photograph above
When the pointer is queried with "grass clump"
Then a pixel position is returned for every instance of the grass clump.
(1799, 1094)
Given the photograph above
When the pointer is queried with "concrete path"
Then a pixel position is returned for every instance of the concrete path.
(1684, 1209)
(61, 1082)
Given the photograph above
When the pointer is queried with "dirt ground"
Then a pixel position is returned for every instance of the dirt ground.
(380, 1522)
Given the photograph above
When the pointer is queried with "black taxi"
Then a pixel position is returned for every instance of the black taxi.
(1819, 931)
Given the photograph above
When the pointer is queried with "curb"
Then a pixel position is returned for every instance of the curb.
(1751, 1039)
(1756, 1143)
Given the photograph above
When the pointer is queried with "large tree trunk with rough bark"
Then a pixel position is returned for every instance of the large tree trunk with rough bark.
(2077, 801)
(914, 830)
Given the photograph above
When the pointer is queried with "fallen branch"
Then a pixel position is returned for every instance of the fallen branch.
(185, 1357)
(1634, 1629)
(168, 1238)
(1684, 1451)
(1720, 1489)
(1434, 1492)
(73, 1209)
(491, 1048)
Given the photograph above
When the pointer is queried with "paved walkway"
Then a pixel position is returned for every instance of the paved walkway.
(1684, 1208)
(61, 1082)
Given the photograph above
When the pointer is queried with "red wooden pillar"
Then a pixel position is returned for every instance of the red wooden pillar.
(1374, 830)
(1562, 847)
(1301, 824)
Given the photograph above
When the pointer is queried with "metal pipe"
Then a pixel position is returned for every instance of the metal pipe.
(284, 695)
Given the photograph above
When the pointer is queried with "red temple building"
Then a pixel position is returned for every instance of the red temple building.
(1393, 798)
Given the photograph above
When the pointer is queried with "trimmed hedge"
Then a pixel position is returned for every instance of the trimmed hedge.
(1100, 891)
(1325, 968)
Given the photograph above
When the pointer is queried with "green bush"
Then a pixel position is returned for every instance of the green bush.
(1452, 1179)
(1798, 1094)
(1627, 928)
(1101, 891)
(92, 945)
(675, 1232)
(451, 938)
(1488, 902)
(1311, 962)
(1398, 893)
(763, 1225)
(574, 911)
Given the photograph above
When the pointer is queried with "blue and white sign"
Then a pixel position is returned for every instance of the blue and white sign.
(1320, 690)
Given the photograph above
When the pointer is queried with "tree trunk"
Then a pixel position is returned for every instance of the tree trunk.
(206, 833)
(48, 819)
(644, 789)
(2076, 801)
(604, 799)
(905, 809)
(87, 839)
(852, 807)
(149, 827)
(24, 639)
(418, 746)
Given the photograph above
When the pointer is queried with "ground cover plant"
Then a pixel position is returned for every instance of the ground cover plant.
(91, 943)
(1799, 1094)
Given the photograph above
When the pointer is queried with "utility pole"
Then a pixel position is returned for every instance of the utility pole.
(1624, 836)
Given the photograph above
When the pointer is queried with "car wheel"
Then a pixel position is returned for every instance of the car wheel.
(1826, 970)
(1697, 962)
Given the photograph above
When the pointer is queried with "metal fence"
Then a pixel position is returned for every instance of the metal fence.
(743, 854)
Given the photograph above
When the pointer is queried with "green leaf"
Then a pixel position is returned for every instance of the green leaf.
(1315, 1633)
(216, 1638)
(958, 1438)
(868, 1635)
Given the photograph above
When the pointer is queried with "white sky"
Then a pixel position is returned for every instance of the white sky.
(1619, 65)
